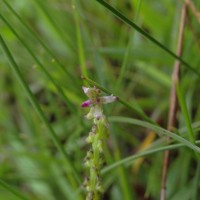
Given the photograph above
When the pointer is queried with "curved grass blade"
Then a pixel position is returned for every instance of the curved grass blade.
(145, 34)
(71, 173)
(157, 129)
(12, 190)
(128, 160)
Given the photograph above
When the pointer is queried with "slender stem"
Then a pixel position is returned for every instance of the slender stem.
(173, 100)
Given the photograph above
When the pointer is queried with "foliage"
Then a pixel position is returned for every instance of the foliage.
(46, 46)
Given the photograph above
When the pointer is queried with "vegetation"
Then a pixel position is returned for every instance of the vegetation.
(124, 48)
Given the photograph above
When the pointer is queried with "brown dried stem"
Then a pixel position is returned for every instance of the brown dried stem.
(173, 98)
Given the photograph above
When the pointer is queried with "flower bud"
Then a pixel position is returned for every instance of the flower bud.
(86, 104)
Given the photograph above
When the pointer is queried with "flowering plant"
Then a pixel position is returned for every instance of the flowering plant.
(98, 134)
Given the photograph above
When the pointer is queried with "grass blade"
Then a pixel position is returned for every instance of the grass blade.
(62, 67)
(37, 107)
(185, 113)
(128, 160)
(59, 89)
(145, 34)
(157, 129)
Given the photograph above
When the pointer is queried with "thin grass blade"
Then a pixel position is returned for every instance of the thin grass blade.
(71, 173)
(59, 89)
(145, 34)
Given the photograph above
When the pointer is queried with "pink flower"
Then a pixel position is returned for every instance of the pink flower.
(95, 102)
(86, 104)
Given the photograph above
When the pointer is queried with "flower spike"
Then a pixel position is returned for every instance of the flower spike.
(99, 133)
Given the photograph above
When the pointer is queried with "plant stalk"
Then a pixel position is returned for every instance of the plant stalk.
(172, 121)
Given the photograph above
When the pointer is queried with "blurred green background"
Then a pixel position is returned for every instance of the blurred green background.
(54, 42)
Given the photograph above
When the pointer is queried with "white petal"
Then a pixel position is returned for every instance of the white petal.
(98, 112)
(85, 89)
(108, 99)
